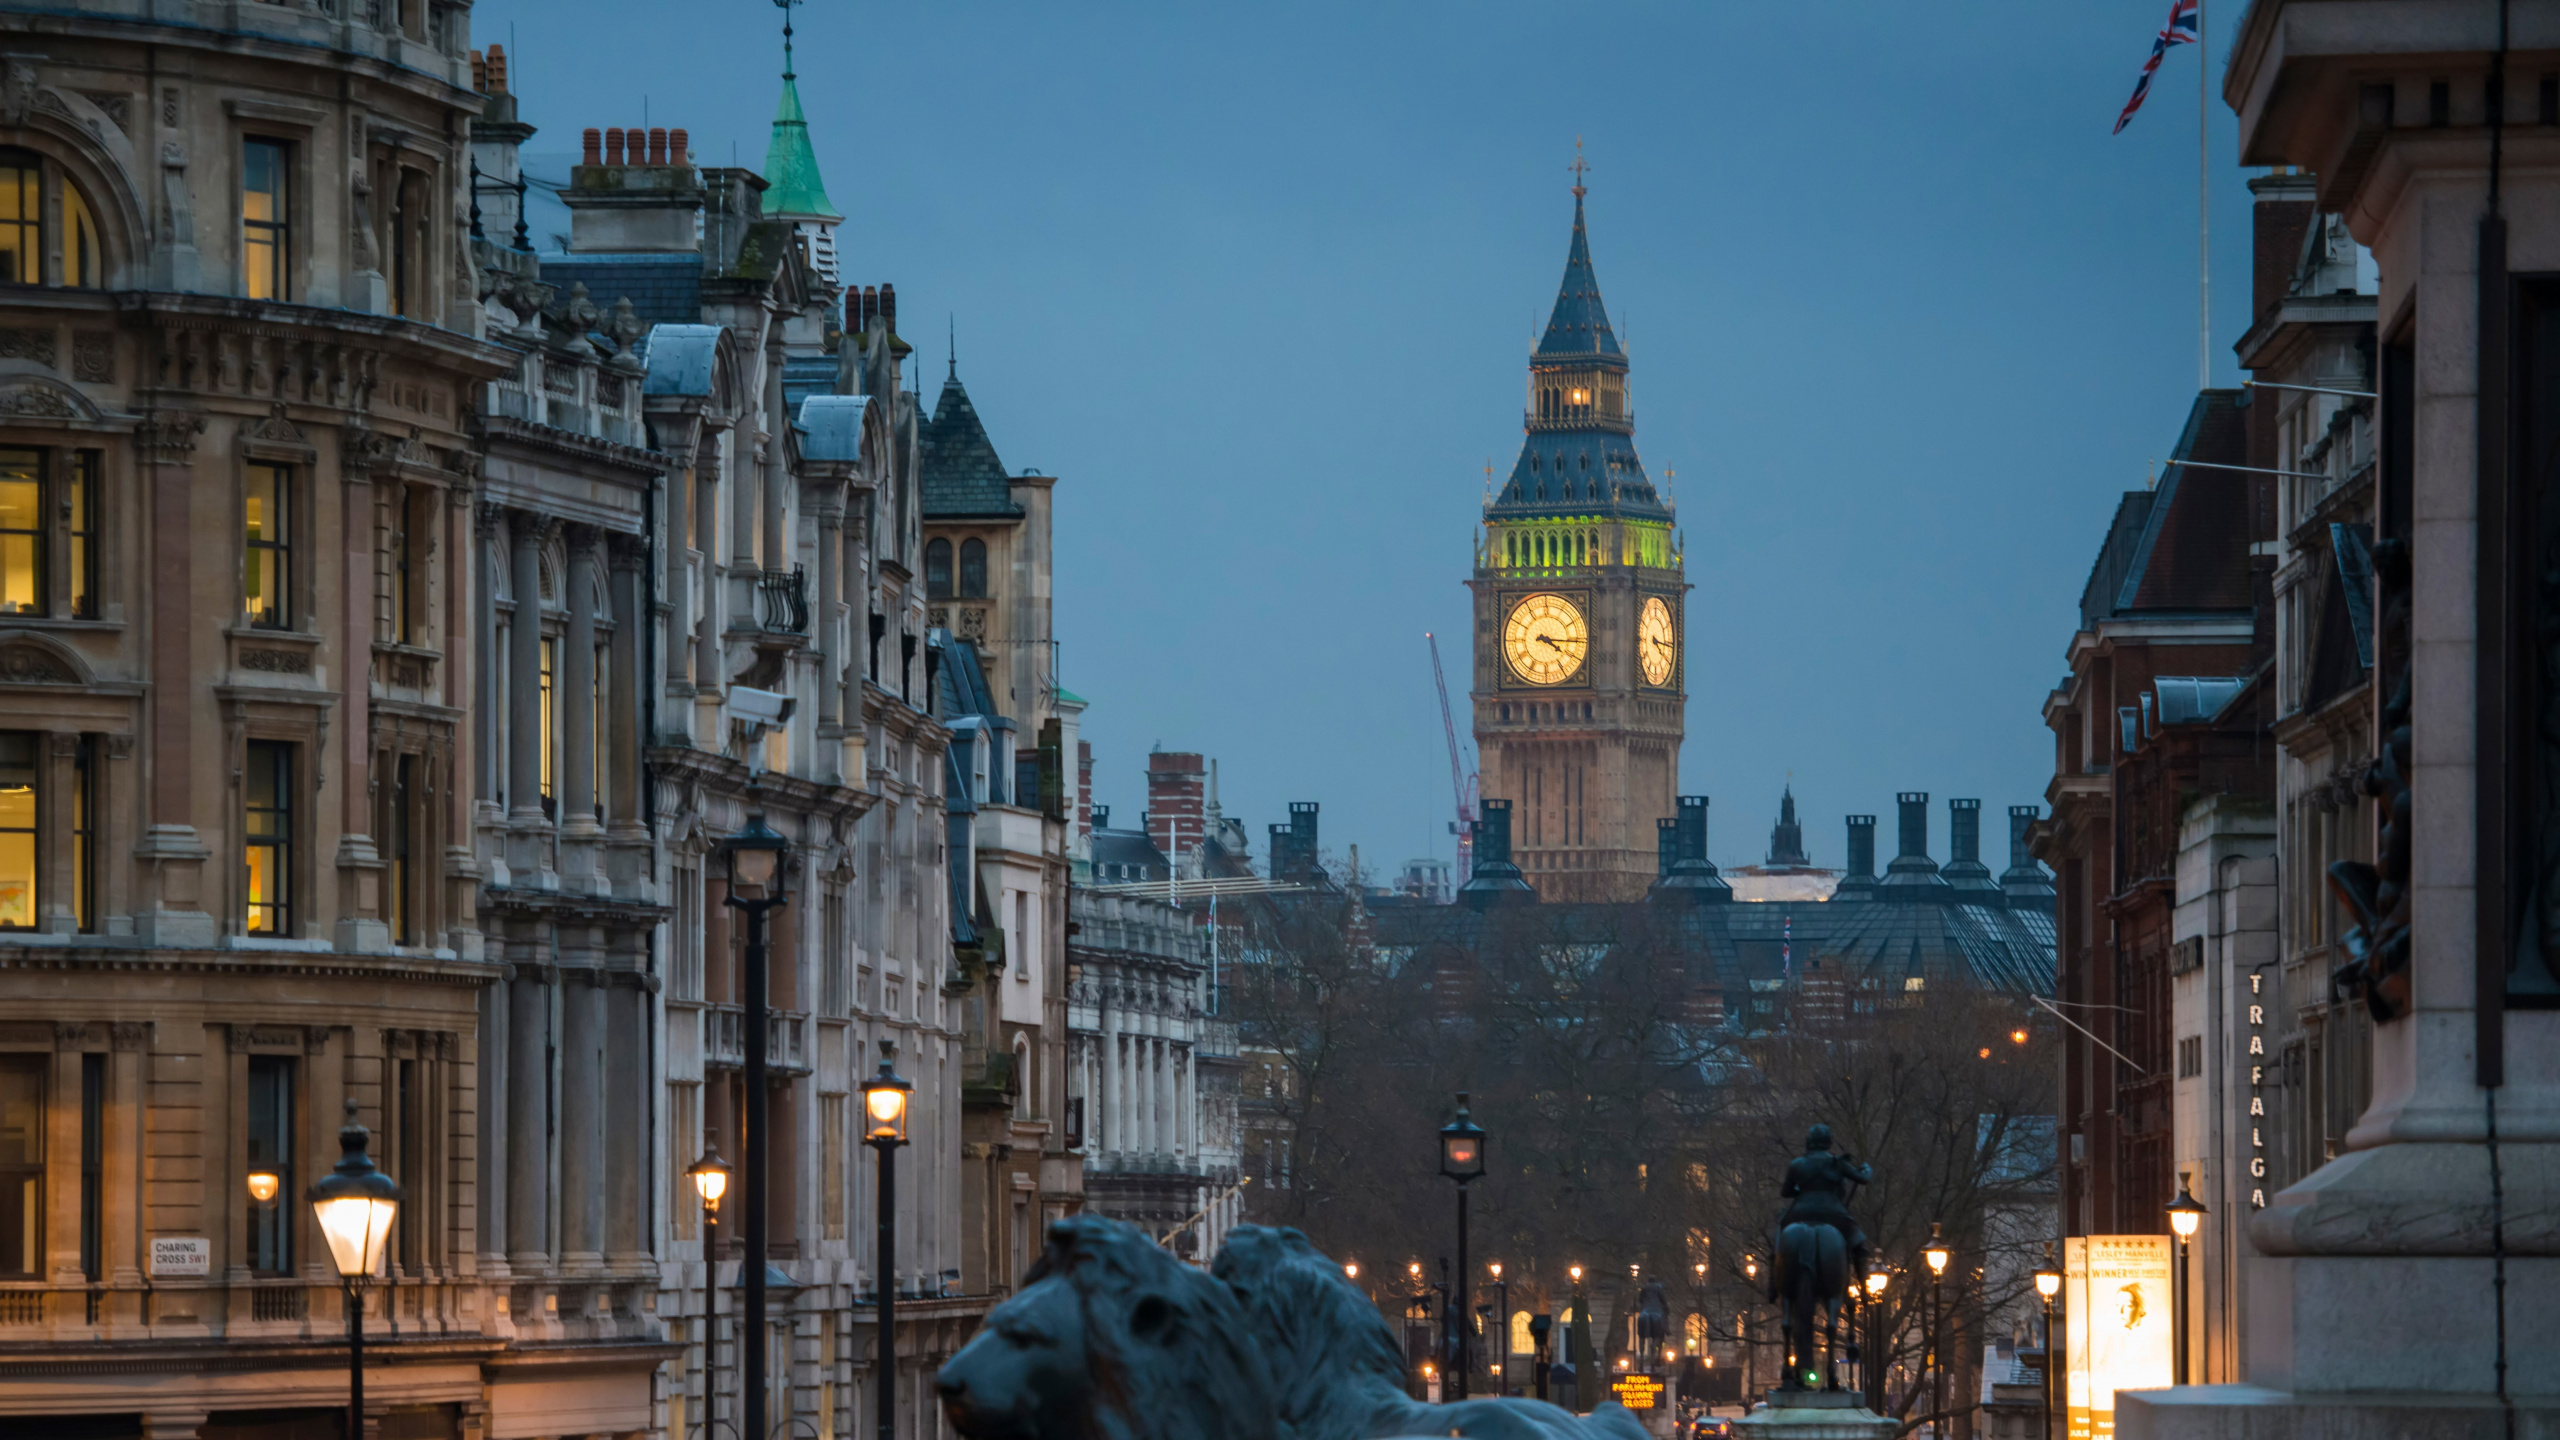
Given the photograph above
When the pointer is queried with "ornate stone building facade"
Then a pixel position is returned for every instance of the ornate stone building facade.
(238, 893)
(1579, 693)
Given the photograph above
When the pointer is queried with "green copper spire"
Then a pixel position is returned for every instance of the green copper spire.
(793, 186)
(791, 166)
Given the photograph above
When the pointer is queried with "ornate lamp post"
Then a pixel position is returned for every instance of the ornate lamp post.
(355, 1205)
(1502, 1332)
(710, 1176)
(1750, 1347)
(1937, 1254)
(884, 1109)
(1462, 1160)
(2186, 1216)
(758, 881)
(2048, 1285)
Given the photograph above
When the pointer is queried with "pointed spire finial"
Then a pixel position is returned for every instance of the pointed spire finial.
(1578, 166)
(785, 7)
(951, 344)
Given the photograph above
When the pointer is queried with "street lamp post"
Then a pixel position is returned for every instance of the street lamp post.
(1502, 1323)
(710, 1176)
(884, 1108)
(1874, 1365)
(1750, 1347)
(1462, 1160)
(2048, 1284)
(355, 1204)
(2186, 1216)
(1577, 1330)
(1937, 1254)
(758, 881)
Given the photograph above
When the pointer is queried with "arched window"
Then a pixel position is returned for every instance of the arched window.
(29, 186)
(937, 570)
(1522, 1342)
(973, 569)
(1024, 1082)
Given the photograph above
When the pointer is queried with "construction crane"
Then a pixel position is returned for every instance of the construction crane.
(1460, 780)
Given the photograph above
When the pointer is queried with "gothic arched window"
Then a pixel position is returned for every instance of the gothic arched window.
(937, 570)
(973, 569)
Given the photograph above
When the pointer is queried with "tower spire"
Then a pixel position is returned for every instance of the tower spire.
(1578, 166)
(785, 7)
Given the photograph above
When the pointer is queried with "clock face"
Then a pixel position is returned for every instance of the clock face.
(1657, 644)
(1544, 639)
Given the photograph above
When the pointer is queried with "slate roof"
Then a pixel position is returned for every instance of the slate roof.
(960, 475)
(806, 375)
(664, 289)
(1583, 471)
(1120, 856)
(2183, 545)
(793, 186)
(1579, 325)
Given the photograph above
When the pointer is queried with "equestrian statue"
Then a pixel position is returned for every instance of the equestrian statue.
(1819, 1248)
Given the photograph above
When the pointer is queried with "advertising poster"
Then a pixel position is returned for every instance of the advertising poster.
(2119, 1299)
(2075, 1337)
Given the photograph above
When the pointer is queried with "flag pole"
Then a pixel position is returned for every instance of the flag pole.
(2204, 212)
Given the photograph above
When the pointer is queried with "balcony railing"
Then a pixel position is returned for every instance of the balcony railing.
(724, 1038)
(782, 601)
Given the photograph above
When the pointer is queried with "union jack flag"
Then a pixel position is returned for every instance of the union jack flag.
(2182, 29)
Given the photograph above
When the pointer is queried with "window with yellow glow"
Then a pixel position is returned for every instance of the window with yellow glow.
(269, 826)
(21, 1164)
(22, 541)
(18, 893)
(267, 576)
(265, 228)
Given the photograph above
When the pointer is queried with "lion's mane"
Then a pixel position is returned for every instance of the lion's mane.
(1336, 1369)
(1172, 1354)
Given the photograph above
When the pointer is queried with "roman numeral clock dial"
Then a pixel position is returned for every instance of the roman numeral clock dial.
(1657, 642)
(1544, 639)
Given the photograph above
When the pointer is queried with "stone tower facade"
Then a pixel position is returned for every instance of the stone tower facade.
(1580, 637)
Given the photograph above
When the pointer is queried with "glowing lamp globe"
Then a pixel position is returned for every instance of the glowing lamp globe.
(884, 1105)
(355, 1204)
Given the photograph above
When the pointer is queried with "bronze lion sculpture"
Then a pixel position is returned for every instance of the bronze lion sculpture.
(1336, 1372)
(1111, 1339)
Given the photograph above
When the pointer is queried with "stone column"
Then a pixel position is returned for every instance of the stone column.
(680, 517)
(706, 529)
(627, 1092)
(574, 707)
(359, 862)
(524, 672)
(528, 1109)
(497, 1008)
(777, 479)
(582, 1101)
(622, 690)
(823, 635)
(173, 912)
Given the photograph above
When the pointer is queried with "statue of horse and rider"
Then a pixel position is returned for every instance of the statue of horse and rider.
(1818, 1253)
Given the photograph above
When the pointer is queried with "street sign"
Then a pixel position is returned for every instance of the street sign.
(1637, 1392)
(181, 1255)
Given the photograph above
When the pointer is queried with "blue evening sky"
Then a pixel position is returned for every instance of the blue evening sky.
(1258, 285)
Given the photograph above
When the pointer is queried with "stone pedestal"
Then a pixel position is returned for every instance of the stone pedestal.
(1814, 1415)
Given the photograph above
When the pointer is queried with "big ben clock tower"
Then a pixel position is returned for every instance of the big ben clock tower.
(1580, 636)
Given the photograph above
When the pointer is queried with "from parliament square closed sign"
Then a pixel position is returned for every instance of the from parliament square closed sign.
(1637, 1392)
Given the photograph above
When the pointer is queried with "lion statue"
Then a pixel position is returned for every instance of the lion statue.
(1111, 1339)
(1336, 1371)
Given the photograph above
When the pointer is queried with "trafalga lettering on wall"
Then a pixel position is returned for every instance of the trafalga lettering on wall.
(2257, 1099)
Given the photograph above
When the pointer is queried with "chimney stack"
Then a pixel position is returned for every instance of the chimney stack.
(657, 144)
(1859, 882)
(679, 147)
(1965, 869)
(2024, 882)
(1693, 876)
(497, 70)
(1913, 875)
(1496, 879)
(889, 307)
(613, 145)
(1666, 845)
(591, 147)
